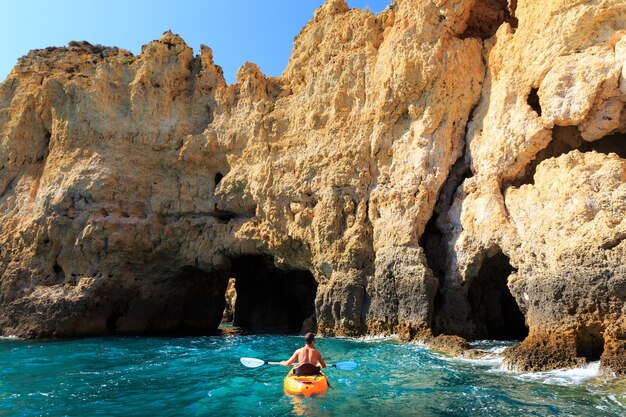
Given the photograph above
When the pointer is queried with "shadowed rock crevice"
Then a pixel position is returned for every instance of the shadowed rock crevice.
(218, 178)
(566, 139)
(58, 271)
(615, 143)
(433, 240)
(590, 342)
(533, 101)
(494, 310)
(270, 299)
(486, 17)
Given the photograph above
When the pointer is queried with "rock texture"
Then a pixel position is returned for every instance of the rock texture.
(545, 151)
(445, 167)
(231, 299)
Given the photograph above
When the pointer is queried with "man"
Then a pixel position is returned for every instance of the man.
(308, 358)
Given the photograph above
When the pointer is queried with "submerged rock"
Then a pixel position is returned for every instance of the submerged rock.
(452, 168)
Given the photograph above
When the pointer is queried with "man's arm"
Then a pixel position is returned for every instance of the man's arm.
(321, 360)
(291, 360)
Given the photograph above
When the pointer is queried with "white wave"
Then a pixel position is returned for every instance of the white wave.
(491, 353)
(10, 337)
(369, 338)
(565, 376)
(619, 400)
(487, 353)
(494, 361)
(377, 337)
(490, 359)
(496, 346)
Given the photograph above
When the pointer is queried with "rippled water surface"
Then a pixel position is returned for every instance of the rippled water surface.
(203, 376)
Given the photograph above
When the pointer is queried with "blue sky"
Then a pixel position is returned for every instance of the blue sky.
(260, 31)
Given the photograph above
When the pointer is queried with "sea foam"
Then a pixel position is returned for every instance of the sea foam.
(565, 376)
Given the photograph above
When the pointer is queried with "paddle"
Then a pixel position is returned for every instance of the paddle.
(345, 365)
(255, 363)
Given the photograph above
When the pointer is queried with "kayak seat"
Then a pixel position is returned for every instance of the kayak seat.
(307, 369)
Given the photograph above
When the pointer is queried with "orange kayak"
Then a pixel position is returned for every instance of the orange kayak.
(305, 385)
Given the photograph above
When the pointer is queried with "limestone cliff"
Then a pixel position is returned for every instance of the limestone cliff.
(445, 167)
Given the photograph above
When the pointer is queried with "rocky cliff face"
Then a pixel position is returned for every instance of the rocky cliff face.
(445, 167)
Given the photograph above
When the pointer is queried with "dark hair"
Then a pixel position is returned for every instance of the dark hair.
(309, 338)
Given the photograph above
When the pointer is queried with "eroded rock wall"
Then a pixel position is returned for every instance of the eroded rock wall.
(545, 151)
(398, 160)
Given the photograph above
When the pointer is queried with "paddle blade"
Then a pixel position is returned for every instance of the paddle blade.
(252, 362)
(346, 366)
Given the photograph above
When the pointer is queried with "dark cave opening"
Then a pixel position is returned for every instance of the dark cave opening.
(270, 299)
(615, 143)
(566, 139)
(218, 178)
(590, 342)
(494, 309)
(192, 301)
(431, 242)
(58, 271)
(533, 101)
(486, 16)
(112, 324)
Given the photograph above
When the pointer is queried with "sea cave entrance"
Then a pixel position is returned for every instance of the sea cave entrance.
(188, 302)
(270, 299)
(192, 301)
(494, 309)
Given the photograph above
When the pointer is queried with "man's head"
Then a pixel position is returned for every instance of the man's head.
(309, 338)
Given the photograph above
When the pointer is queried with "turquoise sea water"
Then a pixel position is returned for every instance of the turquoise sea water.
(202, 376)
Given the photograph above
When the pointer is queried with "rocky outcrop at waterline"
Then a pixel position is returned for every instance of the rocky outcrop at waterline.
(445, 167)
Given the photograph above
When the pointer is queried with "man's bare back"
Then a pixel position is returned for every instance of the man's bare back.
(309, 355)
(306, 355)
